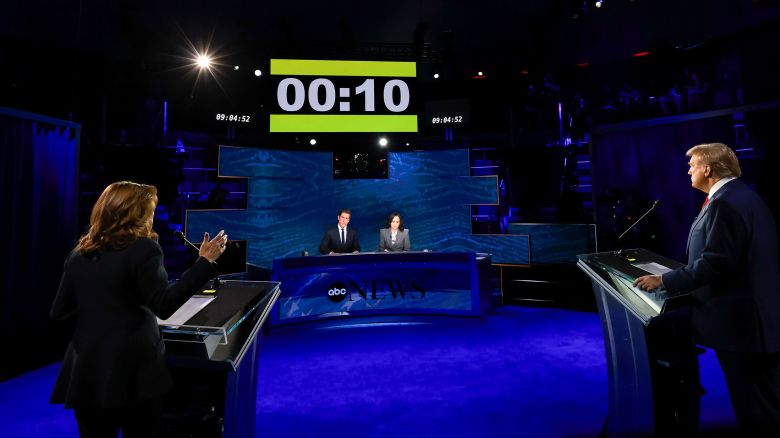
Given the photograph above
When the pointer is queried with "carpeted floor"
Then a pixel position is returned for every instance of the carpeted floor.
(526, 372)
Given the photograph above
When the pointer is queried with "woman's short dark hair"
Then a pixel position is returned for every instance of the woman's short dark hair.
(400, 219)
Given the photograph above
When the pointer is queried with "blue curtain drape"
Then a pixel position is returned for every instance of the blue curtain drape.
(633, 167)
(39, 173)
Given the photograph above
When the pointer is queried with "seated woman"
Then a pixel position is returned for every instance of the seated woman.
(394, 237)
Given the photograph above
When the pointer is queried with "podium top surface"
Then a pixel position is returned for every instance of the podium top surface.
(219, 323)
(616, 272)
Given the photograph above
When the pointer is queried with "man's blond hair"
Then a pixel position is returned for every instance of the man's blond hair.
(722, 160)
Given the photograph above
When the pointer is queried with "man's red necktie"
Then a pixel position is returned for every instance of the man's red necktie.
(704, 204)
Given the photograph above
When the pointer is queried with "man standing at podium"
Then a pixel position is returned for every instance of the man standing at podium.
(340, 239)
(733, 276)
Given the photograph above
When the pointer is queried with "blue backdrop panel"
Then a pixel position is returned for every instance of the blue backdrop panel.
(557, 243)
(293, 198)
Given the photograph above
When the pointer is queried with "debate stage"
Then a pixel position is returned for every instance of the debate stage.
(525, 372)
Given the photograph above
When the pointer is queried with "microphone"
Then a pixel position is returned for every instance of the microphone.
(180, 235)
(655, 204)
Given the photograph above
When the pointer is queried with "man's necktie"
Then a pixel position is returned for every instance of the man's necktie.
(704, 204)
(343, 240)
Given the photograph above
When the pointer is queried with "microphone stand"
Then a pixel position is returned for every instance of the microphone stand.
(655, 204)
(215, 282)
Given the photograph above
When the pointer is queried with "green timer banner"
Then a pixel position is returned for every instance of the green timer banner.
(343, 96)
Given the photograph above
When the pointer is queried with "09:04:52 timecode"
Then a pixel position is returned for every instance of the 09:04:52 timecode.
(233, 118)
(453, 119)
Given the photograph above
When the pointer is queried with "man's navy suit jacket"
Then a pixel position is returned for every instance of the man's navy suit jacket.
(732, 273)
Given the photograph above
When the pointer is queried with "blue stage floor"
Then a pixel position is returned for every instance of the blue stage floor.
(529, 372)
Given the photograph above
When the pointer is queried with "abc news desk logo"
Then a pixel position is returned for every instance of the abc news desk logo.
(376, 290)
(337, 292)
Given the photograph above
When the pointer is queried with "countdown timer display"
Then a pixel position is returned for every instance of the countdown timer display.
(343, 96)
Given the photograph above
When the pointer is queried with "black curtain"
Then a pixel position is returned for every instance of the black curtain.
(636, 165)
(39, 174)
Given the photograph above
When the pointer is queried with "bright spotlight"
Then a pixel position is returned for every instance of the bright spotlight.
(598, 4)
(313, 141)
(383, 142)
(204, 61)
(436, 76)
(479, 73)
(258, 72)
(235, 68)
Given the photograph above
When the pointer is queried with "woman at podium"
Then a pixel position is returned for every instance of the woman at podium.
(114, 284)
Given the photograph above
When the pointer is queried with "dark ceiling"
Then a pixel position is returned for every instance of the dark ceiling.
(487, 31)
(59, 57)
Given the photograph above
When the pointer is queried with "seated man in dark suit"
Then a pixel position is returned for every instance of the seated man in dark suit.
(340, 239)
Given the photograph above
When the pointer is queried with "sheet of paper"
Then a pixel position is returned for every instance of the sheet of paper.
(652, 267)
(186, 311)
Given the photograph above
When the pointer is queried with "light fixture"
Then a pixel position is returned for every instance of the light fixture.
(598, 3)
(235, 68)
(258, 72)
(203, 60)
(436, 76)
(383, 141)
(313, 141)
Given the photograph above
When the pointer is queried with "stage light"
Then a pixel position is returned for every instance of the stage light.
(204, 61)
(598, 3)
(479, 73)
(383, 142)
(313, 141)
(258, 72)
(407, 144)
(436, 76)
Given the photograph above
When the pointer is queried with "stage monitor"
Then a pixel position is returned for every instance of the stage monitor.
(369, 163)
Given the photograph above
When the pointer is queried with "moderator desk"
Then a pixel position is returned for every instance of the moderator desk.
(381, 283)
(212, 346)
(651, 359)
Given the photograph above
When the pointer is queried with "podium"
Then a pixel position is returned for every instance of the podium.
(212, 346)
(652, 362)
